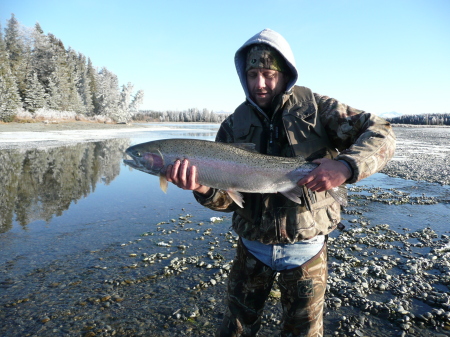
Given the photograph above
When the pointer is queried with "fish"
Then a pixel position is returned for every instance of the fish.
(233, 167)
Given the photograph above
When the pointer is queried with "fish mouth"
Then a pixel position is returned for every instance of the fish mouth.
(135, 161)
(145, 162)
(131, 163)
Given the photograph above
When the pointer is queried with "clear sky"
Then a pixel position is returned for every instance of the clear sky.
(375, 55)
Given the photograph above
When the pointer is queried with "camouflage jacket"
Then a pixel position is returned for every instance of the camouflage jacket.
(313, 126)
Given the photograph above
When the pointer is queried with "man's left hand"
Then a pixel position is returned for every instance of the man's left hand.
(329, 174)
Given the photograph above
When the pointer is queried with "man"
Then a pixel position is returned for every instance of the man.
(278, 236)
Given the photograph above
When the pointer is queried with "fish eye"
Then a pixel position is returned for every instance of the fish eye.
(137, 154)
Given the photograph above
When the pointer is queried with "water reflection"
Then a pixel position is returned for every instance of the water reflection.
(40, 183)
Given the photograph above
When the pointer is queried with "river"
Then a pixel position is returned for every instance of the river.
(89, 246)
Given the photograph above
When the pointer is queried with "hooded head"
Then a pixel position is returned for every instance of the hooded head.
(266, 50)
(263, 56)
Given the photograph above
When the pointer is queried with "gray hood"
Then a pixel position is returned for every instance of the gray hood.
(273, 39)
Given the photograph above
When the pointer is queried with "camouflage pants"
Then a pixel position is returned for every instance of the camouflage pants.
(302, 296)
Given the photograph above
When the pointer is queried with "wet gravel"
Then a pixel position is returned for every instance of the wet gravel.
(385, 279)
(421, 154)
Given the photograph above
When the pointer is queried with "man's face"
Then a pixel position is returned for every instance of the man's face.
(264, 84)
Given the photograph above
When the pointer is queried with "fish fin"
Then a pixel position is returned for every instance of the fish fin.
(245, 146)
(237, 197)
(294, 194)
(163, 183)
(339, 194)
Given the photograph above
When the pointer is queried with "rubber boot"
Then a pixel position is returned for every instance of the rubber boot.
(249, 285)
(302, 297)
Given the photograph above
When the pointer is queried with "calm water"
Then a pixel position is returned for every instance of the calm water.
(58, 201)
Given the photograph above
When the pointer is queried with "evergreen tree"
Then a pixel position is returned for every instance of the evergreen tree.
(75, 102)
(138, 99)
(16, 52)
(128, 104)
(53, 96)
(42, 59)
(123, 112)
(35, 96)
(9, 93)
(93, 87)
(83, 85)
(62, 77)
(107, 94)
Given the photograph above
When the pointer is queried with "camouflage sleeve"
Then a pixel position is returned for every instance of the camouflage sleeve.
(366, 142)
(219, 200)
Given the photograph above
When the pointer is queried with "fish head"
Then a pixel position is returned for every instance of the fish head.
(148, 159)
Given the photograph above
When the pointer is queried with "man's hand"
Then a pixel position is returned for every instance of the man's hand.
(185, 177)
(329, 174)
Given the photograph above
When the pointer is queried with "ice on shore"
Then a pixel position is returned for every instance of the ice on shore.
(19, 139)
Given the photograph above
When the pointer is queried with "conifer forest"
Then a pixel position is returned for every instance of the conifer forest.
(424, 119)
(38, 72)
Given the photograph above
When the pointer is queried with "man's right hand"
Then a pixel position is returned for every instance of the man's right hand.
(185, 177)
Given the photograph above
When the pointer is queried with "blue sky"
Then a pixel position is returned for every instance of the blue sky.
(375, 55)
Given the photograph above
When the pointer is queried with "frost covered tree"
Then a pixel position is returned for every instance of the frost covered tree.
(93, 87)
(70, 81)
(59, 94)
(16, 52)
(74, 79)
(206, 115)
(128, 104)
(42, 57)
(137, 101)
(9, 93)
(53, 96)
(180, 116)
(122, 115)
(83, 85)
(35, 96)
(107, 94)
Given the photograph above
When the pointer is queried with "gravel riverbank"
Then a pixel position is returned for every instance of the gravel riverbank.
(389, 268)
(421, 154)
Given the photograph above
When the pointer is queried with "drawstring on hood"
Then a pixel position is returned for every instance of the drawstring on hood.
(276, 41)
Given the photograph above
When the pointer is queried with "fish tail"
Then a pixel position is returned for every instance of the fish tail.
(339, 194)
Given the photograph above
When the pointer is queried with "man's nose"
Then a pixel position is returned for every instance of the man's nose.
(261, 82)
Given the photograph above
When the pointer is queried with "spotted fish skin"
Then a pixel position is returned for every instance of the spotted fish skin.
(230, 167)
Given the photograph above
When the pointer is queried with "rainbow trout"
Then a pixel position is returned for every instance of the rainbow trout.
(233, 168)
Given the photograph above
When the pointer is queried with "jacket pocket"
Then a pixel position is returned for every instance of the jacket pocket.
(320, 220)
(303, 110)
(301, 126)
(244, 133)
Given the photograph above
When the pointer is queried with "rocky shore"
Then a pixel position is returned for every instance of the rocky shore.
(386, 278)
(422, 154)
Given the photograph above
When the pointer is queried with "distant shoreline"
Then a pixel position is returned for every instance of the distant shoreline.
(43, 135)
(419, 126)
(83, 125)
(59, 126)
(75, 125)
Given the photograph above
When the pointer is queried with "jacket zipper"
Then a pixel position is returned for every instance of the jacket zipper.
(280, 225)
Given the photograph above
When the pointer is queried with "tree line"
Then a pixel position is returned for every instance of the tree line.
(37, 71)
(189, 115)
(424, 119)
